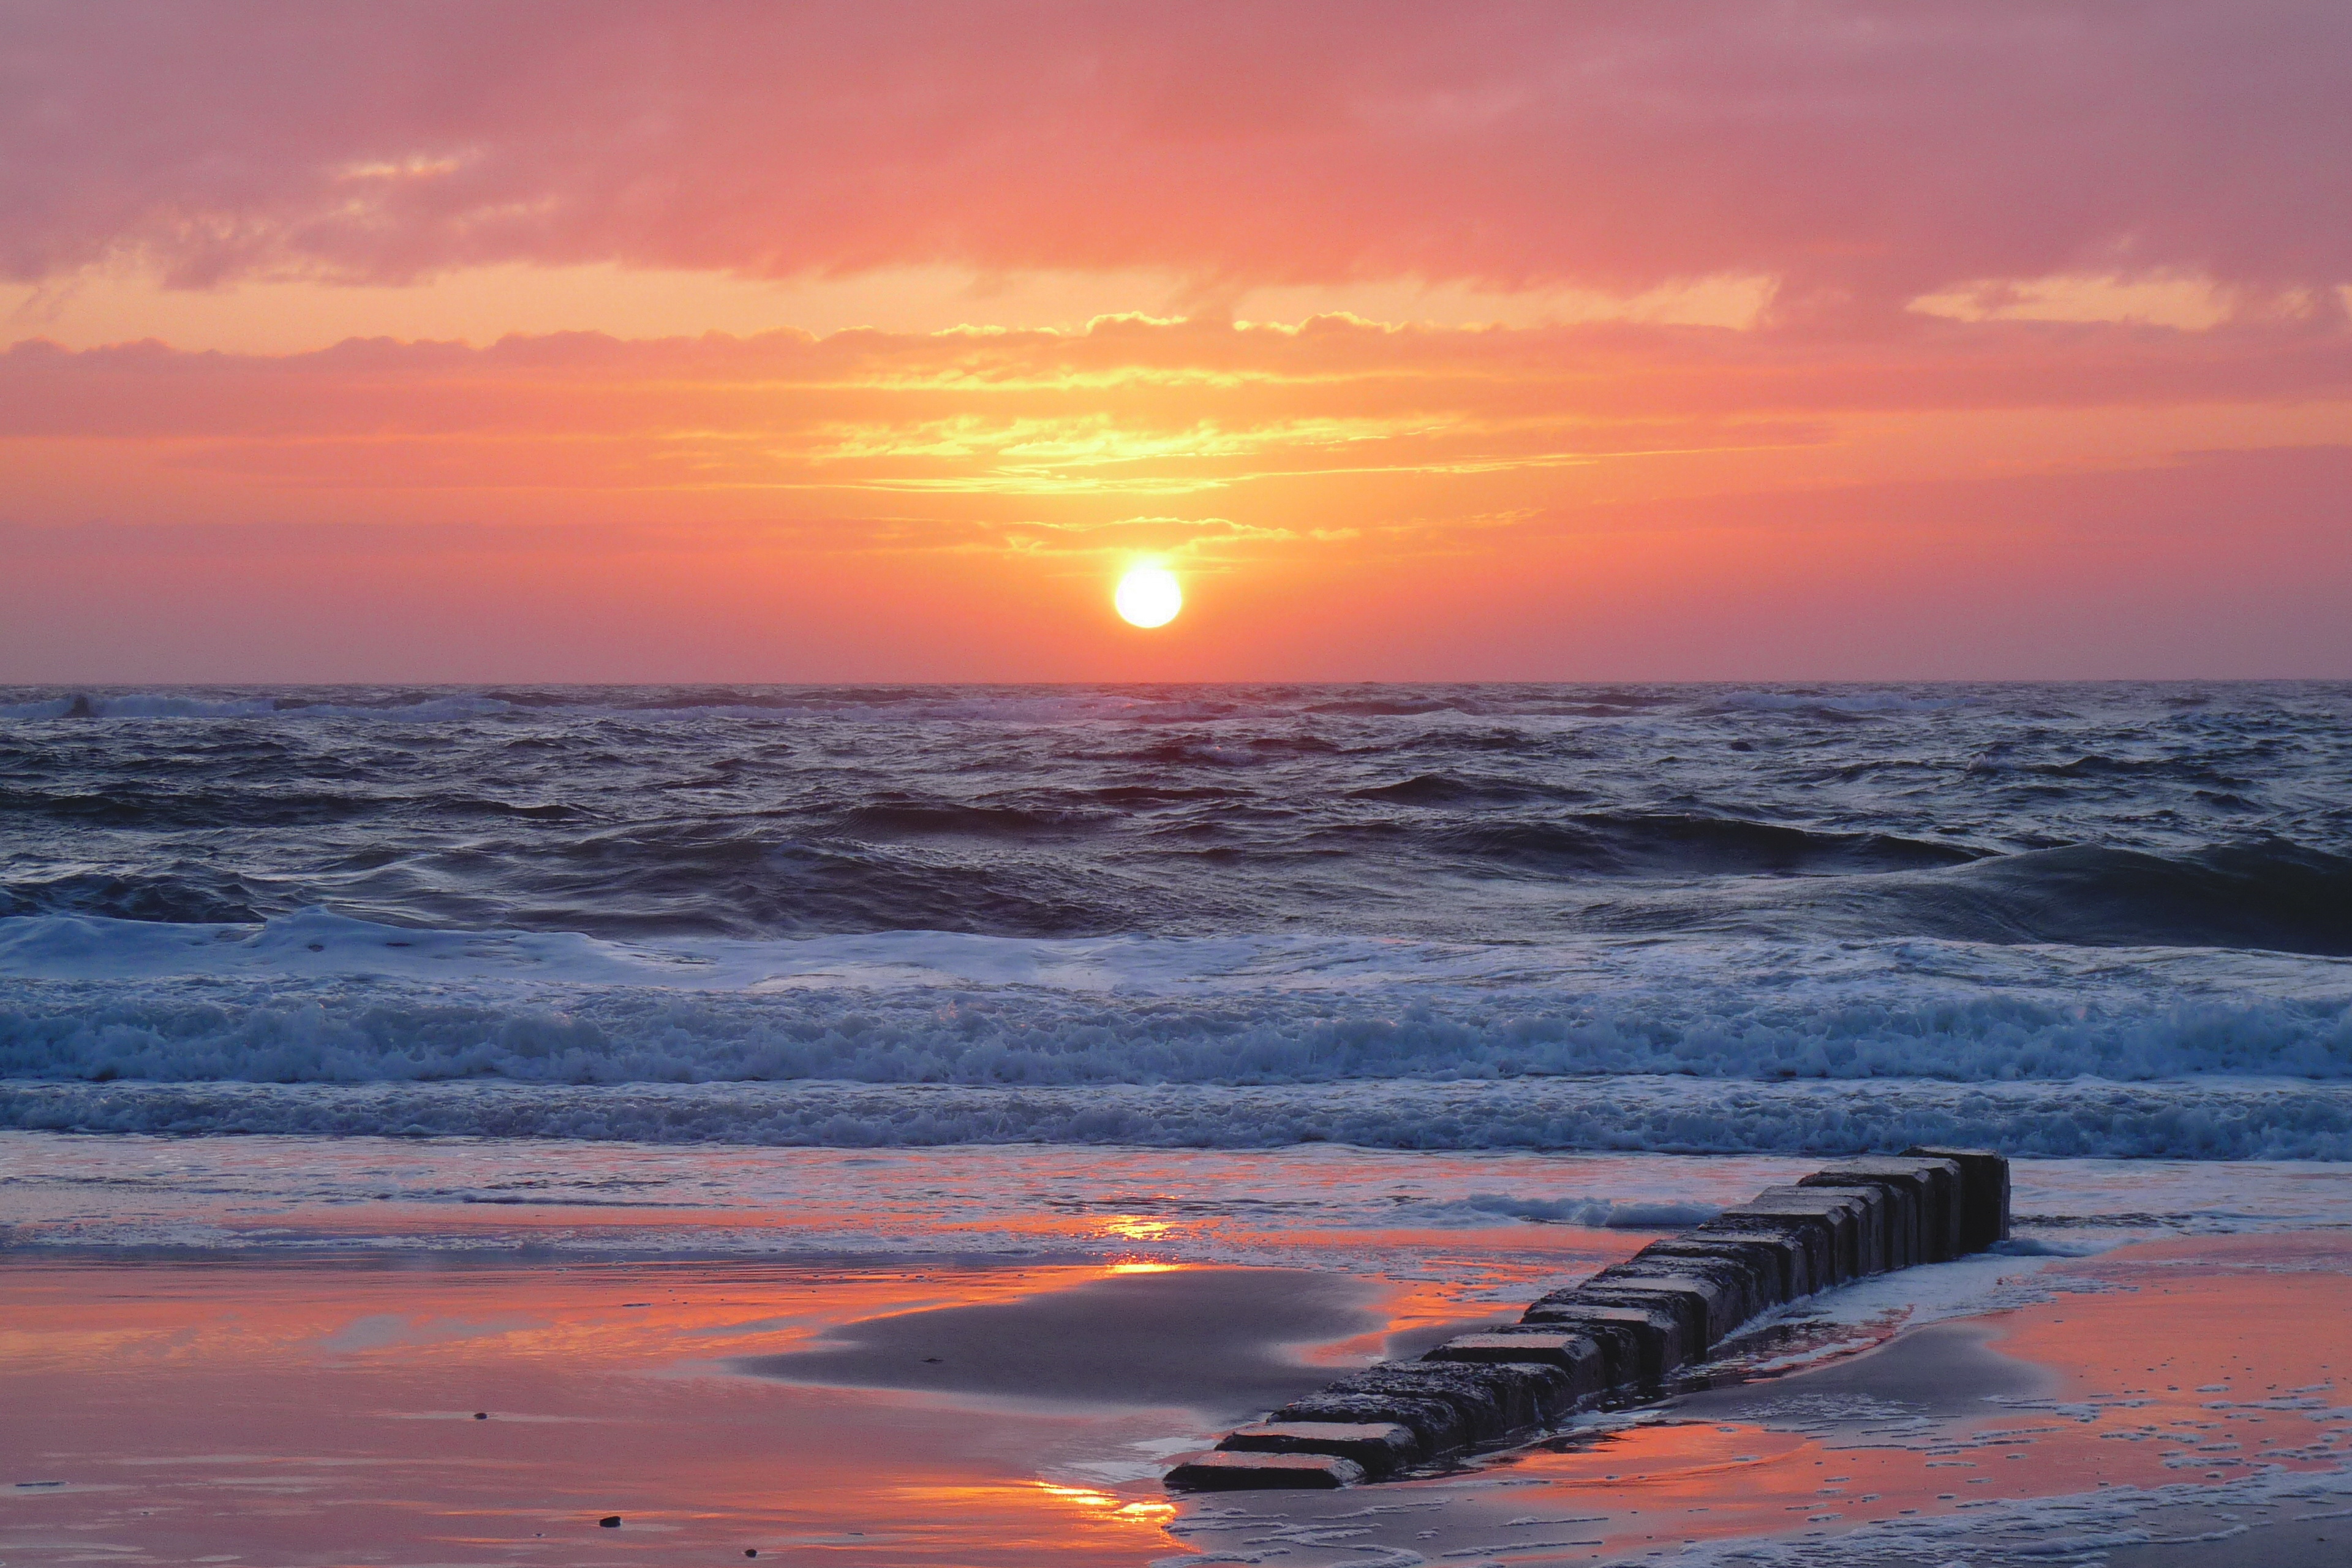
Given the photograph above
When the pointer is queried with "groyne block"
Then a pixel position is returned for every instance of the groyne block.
(1940, 1221)
(1540, 1391)
(1947, 1240)
(1628, 1327)
(1759, 1267)
(1683, 1298)
(1624, 1354)
(1225, 1471)
(1874, 1218)
(1779, 1261)
(1495, 1400)
(1814, 1237)
(1713, 1304)
(1984, 1194)
(1381, 1448)
(1749, 1286)
(1577, 1355)
(1436, 1425)
(1652, 1330)
(1926, 1192)
(1582, 1367)
(1853, 1218)
(1898, 1203)
(1829, 1211)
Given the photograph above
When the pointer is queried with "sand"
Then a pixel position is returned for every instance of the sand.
(1206, 1340)
(291, 1387)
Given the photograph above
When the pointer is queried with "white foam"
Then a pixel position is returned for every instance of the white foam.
(616, 1095)
(1699, 1043)
(316, 996)
(2048, 983)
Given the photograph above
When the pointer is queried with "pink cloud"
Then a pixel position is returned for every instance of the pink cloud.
(1853, 488)
(1478, 385)
(1865, 152)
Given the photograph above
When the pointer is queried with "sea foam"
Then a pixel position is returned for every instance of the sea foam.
(2205, 1119)
(1550, 1033)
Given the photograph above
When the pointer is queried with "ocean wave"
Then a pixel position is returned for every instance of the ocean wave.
(1442, 790)
(181, 893)
(927, 704)
(321, 998)
(715, 877)
(2268, 894)
(295, 1032)
(174, 705)
(145, 807)
(1838, 701)
(2205, 1120)
(1411, 812)
(1674, 844)
(1432, 706)
(1073, 892)
(1016, 705)
(1179, 859)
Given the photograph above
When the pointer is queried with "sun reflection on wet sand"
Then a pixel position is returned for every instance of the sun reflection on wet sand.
(307, 1393)
(323, 1413)
(1086, 1497)
(370, 1303)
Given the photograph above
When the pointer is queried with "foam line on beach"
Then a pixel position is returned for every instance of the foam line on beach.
(2193, 1119)
(1627, 1330)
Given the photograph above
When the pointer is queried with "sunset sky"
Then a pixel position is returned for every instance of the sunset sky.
(427, 341)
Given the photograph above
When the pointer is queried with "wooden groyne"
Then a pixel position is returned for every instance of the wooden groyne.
(1625, 1331)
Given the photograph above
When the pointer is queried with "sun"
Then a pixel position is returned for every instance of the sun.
(1148, 596)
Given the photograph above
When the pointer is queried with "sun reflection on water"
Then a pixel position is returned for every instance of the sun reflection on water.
(1134, 1227)
(1141, 1510)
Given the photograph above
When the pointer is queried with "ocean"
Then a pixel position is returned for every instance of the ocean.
(2089, 921)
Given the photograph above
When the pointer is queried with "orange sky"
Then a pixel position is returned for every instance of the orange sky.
(609, 343)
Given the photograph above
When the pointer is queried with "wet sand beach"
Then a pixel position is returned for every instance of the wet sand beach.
(303, 1387)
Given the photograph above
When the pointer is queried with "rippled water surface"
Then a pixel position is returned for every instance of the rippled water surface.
(1372, 889)
(2204, 817)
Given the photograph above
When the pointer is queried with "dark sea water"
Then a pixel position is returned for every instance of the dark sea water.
(2078, 919)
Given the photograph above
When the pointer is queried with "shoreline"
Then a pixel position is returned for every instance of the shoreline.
(337, 1308)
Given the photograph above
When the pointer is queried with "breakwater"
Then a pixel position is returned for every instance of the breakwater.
(1625, 1331)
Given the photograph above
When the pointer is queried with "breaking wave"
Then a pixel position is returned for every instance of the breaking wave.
(320, 998)
(1433, 915)
(2205, 1120)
